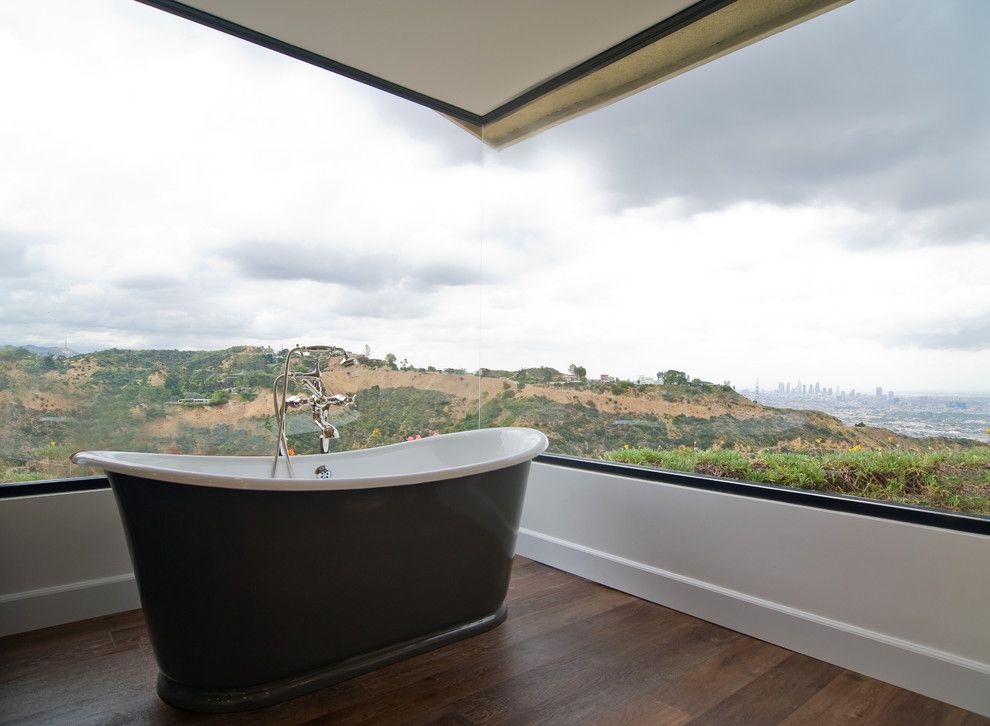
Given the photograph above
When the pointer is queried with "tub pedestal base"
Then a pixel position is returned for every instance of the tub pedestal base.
(205, 700)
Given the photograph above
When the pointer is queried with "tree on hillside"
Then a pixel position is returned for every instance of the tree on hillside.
(673, 378)
(580, 371)
(173, 384)
(390, 361)
(540, 374)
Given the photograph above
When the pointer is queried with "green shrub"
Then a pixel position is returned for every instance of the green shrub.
(951, 479)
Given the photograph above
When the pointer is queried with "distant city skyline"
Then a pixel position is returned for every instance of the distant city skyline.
(927, 413)
(816, 389)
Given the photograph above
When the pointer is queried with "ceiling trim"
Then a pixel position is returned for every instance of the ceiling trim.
(239, 31)
(642, 39)
(717, 33)
(702, 32)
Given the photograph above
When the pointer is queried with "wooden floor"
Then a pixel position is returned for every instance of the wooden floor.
(571, 652)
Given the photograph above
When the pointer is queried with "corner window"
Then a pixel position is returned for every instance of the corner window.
(771, 268)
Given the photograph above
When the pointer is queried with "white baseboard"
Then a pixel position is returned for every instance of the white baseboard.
(47, 606)
(934, 673)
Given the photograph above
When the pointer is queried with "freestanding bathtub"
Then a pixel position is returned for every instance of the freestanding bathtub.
(257, 589)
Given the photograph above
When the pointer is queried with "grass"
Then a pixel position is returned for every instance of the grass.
(17, 475)
(946, 479)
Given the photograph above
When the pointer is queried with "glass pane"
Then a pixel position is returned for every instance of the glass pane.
(808, 213)
(179, 207)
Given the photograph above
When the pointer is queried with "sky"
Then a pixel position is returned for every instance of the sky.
(811, 207)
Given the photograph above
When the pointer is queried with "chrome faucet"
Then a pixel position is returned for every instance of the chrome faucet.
(314, 398)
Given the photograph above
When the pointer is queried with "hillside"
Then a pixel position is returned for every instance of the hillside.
(118, 399)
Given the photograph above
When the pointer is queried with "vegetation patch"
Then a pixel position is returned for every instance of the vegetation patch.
(133, 400)
(957, 480)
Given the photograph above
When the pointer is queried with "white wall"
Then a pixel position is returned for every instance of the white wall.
(904, 603)
(63, 557)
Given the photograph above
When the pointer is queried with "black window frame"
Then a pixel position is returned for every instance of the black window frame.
(892, 511)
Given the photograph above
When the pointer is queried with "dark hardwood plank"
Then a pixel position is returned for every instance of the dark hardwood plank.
(721, 676)
(774, 695)
(571, 652)
(452, 719)
(432, 697)
(849, 698)
(852, 698)
(906, 708)
(615, 677)
(644, 710)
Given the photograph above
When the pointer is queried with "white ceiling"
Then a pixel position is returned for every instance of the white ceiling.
(475, 55)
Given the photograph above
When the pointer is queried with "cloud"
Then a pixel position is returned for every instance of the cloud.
(19, 254)
(972, 334)
(136, 211)
(879, 106)
(147, 282)
(452, 144)
(384, 305)
(361, 271)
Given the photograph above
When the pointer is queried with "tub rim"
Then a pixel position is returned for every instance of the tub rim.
(529, 442)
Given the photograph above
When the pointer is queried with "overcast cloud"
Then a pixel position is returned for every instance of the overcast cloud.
(881, 105)
(966, 334)
(336, 264)
(810, 207)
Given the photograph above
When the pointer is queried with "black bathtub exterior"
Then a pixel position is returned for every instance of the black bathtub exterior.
(253, 597)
